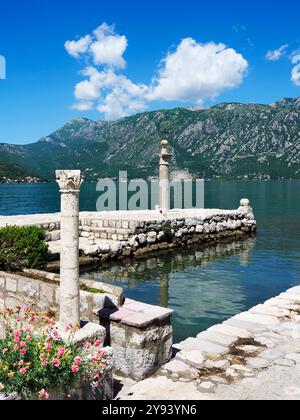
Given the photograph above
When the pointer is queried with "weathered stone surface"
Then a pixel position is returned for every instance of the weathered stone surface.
(181, 369)
(230, 331)
(207, 386)
(258, 363)
(214, 337)
(249, 349)
(271, 354)
(293, 356)
(193, 358)
(269, 310)
(284, 362)
(256, 318)
(151, 237)
(90, 332)
(249, 326)
(217, 364)
(11, 284)
(202, 345)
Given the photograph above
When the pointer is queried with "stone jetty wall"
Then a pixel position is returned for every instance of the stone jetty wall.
(115, 235)
(168, 233)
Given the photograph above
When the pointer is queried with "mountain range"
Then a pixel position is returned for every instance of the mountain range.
(227, 140)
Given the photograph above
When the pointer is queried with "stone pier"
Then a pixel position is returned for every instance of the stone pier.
(69, 183)
(121, 234)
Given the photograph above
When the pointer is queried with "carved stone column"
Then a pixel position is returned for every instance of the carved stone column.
(69, 183)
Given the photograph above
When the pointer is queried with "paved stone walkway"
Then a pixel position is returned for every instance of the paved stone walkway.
(254, 355)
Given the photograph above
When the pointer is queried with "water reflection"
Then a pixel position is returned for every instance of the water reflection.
(194, 282)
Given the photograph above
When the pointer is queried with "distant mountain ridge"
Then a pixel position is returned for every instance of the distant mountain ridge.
(225, 140)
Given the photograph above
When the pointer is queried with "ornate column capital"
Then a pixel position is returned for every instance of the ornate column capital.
(69, 181)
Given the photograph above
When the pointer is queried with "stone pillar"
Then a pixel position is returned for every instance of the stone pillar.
(69, 183)
(164, 177)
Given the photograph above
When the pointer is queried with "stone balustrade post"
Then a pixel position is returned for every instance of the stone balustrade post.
(164, 185)
(69, 183)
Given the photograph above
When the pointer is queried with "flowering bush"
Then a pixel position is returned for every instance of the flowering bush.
(34, 359)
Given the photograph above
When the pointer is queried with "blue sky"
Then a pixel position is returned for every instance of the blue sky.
(37, 96)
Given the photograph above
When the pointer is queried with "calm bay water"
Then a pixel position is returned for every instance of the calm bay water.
(203, 285)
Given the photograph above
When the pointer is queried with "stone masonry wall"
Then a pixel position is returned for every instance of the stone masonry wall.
(140, 334)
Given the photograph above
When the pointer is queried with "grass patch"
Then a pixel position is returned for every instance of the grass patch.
(92, 289)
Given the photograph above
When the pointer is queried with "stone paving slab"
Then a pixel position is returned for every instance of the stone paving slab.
(136, 314)
(254, 355)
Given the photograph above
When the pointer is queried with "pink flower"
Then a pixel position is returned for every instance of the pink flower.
(98, 343)
(18, 319)
(28, 338)
(55, 362)
(23, 371)
(4, 350)
(22, 344)
(48, 346)
(88, 345)
(75, 368)
(23, 351)
(17, 336)
(61, 352)
(16, 347)
(21, 363)
(77, 360)
(43, 394)
(44, 363)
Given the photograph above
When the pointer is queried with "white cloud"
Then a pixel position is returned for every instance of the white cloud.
(275, 55)
(296, 70)
(118, 95)
(104, 46)
(195, 72)
(76, 48)
(192, 73)
(108, 47)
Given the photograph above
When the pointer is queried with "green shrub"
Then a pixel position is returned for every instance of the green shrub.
(22, 247)
(167, 229)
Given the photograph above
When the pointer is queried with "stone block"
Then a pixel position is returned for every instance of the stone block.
(194, 358)
(258, 363)
(230, 331)
(214, 337)
(11, 284)
(207, 387)
(181, 369)
(205, 346)
(257, 319)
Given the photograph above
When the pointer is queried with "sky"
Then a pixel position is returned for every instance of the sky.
(104, 60)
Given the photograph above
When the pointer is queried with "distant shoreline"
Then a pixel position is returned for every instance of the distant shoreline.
(138, 179)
